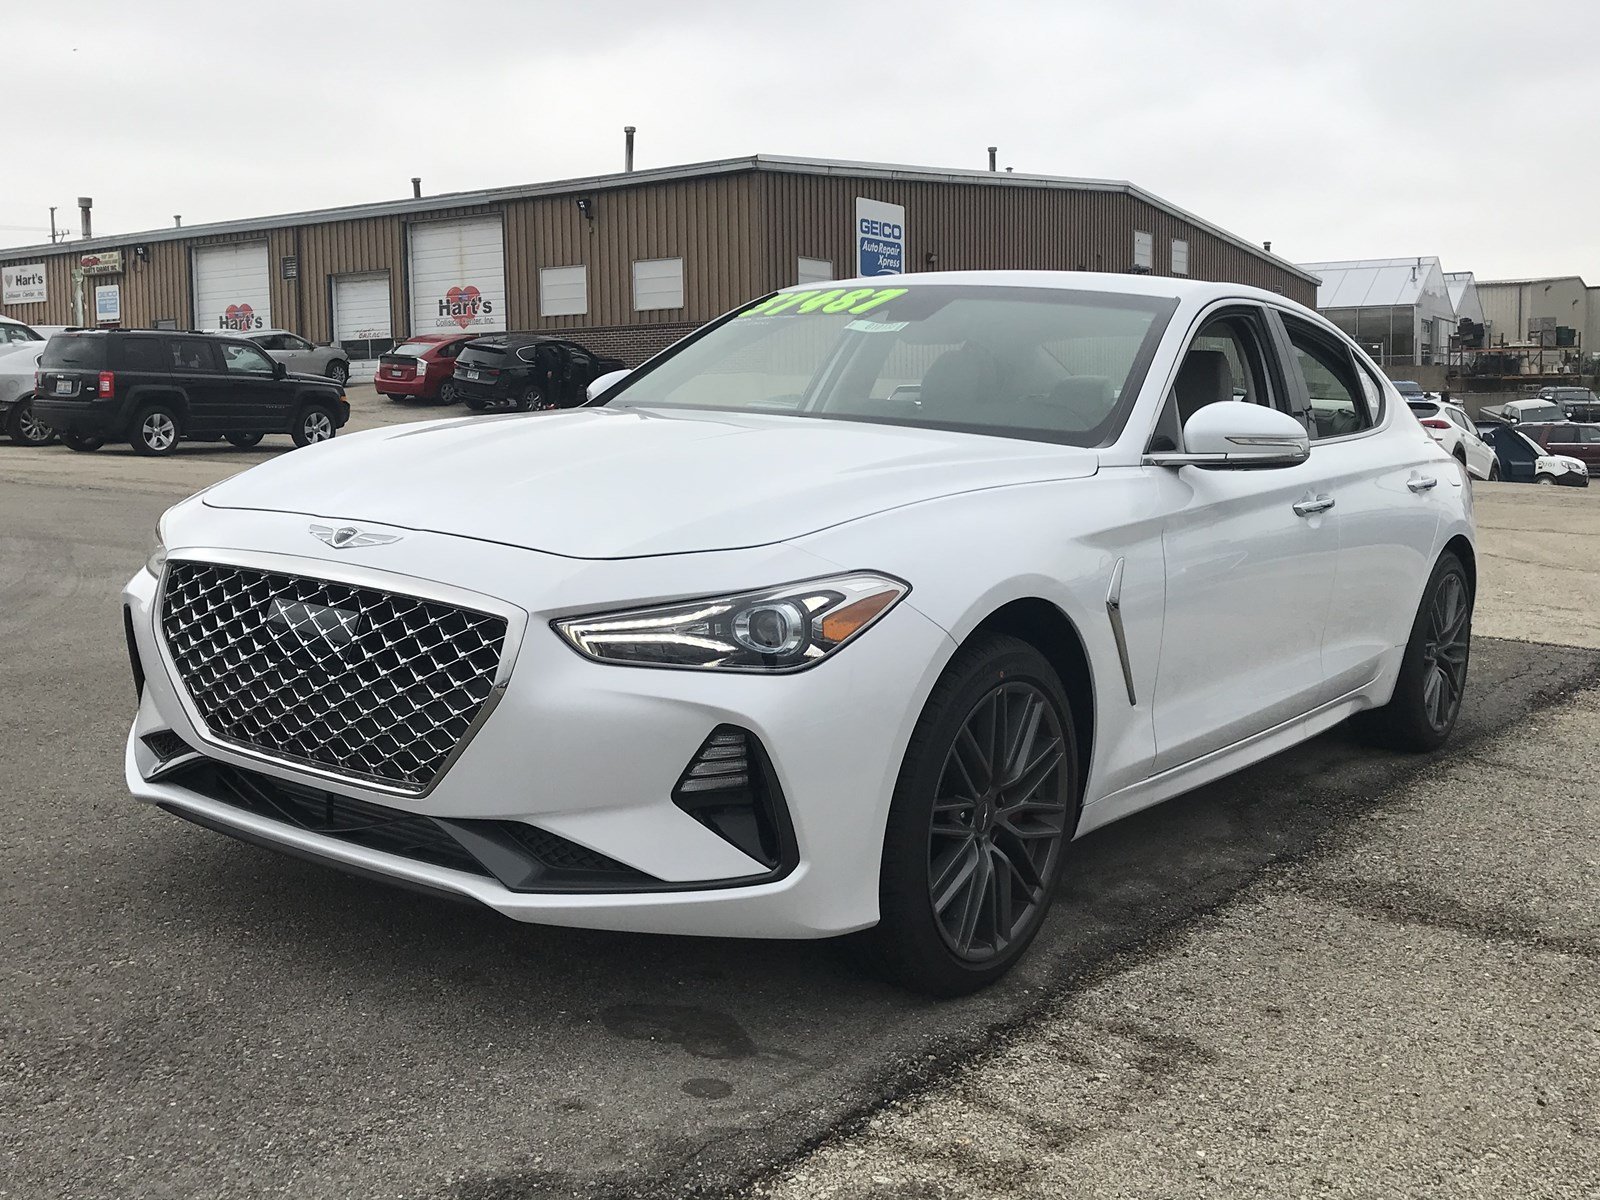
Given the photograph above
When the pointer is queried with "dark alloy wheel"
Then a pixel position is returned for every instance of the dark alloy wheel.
(448, 393)
(339, 372)
(986, 803)
(244, 440)
(531, 399)
(315, 424)
(26, 429)
(154, 431)
(82, 443)
(1433, 674)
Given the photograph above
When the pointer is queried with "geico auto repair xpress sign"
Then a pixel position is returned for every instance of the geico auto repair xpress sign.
(880, 237)
(23, 284)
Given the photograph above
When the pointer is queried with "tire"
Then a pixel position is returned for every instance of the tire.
(1433, 674)
(949, 835)
(25, 429)
(1494, 472)
(244, 440)
(1545, 480)
(448, 393)
(82, 443)
(339, 372)
(474, 404)
(530, 399)
(316, 423)
(155, 431)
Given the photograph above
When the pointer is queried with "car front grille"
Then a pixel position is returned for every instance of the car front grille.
(369, 684)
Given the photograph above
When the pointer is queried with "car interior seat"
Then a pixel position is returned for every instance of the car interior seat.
(958, 385)
(1205, 378)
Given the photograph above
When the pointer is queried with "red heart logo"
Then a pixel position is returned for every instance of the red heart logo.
(463, 302)
(238, 316)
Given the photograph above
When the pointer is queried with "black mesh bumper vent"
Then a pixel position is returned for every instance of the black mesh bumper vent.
(730, 788)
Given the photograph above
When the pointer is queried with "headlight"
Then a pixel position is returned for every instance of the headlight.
(157, 561)
(781, 629)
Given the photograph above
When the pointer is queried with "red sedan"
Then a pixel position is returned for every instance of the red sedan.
(422, 367)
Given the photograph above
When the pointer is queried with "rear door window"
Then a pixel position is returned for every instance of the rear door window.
(1339, 398)
(192, 354)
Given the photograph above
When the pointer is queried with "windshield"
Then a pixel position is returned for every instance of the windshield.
(73, 350)
(1040, 363)
(413, 349)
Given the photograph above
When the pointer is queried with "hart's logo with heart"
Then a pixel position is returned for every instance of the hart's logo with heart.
(464, 305)
(240, 318)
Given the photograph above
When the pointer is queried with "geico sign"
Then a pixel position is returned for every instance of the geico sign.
(883, 229)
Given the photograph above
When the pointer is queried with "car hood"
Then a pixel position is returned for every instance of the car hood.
(625, 483)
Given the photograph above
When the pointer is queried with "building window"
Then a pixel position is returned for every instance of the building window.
(563, 291)
(657, 283)
(1144, 250)
(1180, 256)
(813, 270)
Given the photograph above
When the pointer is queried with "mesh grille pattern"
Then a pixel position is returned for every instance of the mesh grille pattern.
(367, 683)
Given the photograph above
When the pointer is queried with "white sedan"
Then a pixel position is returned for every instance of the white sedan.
(845, 614)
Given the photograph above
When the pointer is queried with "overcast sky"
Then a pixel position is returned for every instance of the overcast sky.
(1362, 128)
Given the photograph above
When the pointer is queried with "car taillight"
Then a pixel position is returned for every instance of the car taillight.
(1432, 424)
(108, 384)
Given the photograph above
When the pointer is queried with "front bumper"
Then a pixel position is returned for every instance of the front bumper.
(588, 752)
(1572, 479)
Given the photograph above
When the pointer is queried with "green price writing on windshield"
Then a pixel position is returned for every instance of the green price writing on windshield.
(854, 301)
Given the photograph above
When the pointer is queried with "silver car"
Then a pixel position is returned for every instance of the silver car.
(303, 357)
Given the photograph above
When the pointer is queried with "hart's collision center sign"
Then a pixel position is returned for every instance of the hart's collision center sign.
(880, 237)
(22, 284)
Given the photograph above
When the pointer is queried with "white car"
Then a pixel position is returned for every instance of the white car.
(1448, 424)
(20, 346)
(846, 613)
(300, 355)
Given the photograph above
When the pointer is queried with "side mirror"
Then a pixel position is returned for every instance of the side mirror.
(605, 383)
(1231, 433)
(279, 371)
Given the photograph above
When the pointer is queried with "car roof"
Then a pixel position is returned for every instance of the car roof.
(1193, 290)
(439, 337)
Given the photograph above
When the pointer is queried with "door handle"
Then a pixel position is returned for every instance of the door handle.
(1310, 508)
(1422, 483)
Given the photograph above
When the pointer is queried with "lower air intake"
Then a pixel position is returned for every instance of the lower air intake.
(730, 787)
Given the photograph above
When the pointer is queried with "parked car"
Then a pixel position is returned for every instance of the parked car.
(299, 355)
(154, 389)
(14, 335)
(527, 372)
(844, 614)
(17, 373)
(422, 368)
(1514, 412)
(1568, 439)
(1578, 403)
(1411, 390)
(1448, 424)
(1523, 460)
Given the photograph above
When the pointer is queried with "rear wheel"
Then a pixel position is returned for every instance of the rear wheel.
(244, 440)
(986, 802)
(474, 403)
(530, 399)
(339, 372)
(314, 424)
(82, 443)
(154, 431)
(448, 393)
(1433, 674)
(24, 428)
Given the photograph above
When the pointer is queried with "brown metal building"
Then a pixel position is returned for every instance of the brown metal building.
(626, 263)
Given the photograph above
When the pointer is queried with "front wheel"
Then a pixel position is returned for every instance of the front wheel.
(339, 372)
(1433, 673)
(448, 393)
(1546, 480)
(315, 424)
(985, 805)
(1494, 472)
(25, 429)
(82, 443)
(244, 440)
(155, 431)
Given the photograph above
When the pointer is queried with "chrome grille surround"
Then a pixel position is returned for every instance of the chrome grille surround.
(360, 676)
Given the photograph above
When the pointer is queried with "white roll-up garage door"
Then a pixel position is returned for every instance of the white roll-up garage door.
(233, 287)
(458, 275)
(361, 321)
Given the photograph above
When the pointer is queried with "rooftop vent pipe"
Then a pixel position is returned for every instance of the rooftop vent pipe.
(993, 150)
(416, 187)
(85, 203)
(177, 220)
(627, 151)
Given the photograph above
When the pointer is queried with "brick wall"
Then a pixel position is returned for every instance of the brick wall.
(631, 343)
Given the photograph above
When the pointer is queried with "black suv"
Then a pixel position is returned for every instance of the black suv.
(153, 388)
(527, 371)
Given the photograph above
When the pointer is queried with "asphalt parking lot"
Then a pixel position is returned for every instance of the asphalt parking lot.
(1342, 972)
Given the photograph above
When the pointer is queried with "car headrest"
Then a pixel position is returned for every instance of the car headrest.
(959, 382)
(1205, 378)
(1079, 402)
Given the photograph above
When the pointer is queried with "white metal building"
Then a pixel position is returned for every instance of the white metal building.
(1400, 309)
